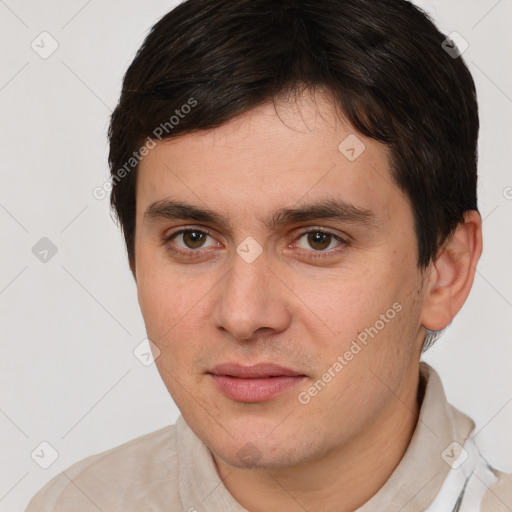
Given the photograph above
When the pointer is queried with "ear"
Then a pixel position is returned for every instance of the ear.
(450, 277)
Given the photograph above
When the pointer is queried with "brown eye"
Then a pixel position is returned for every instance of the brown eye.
(191, 239)
(319, 241)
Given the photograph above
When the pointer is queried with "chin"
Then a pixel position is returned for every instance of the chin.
(251, 456)
(259, 451)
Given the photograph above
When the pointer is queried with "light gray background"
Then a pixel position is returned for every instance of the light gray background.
(69, 326)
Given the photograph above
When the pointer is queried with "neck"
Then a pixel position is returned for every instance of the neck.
(342, 480)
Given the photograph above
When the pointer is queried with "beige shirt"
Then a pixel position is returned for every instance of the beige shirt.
(171, 470)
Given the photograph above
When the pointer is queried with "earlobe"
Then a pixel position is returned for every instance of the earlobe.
(450, 277)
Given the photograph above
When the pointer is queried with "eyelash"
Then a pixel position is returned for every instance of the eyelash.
(321, 255)
(312, 254)
(190, 253)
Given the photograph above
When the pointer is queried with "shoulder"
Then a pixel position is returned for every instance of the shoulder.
(136, 475)
(498, 498)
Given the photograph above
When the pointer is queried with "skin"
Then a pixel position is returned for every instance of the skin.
(207, 305)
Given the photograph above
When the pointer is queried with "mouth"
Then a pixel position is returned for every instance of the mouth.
(255, 383)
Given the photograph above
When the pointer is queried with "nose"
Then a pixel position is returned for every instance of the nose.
(251, 300)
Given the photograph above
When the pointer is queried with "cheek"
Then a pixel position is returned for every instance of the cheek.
(372, 320)
(348, 302)
(173, 315)
(169, 301)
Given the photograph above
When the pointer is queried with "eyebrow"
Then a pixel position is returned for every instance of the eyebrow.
(332, 209)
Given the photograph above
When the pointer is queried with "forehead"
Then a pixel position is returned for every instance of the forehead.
(274, 156)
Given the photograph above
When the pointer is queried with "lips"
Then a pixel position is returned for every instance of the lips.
(255, 383)
(260, 370)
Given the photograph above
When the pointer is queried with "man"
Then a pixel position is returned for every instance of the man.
(296, 184)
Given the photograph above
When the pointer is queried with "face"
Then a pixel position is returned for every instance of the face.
(276, 266)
